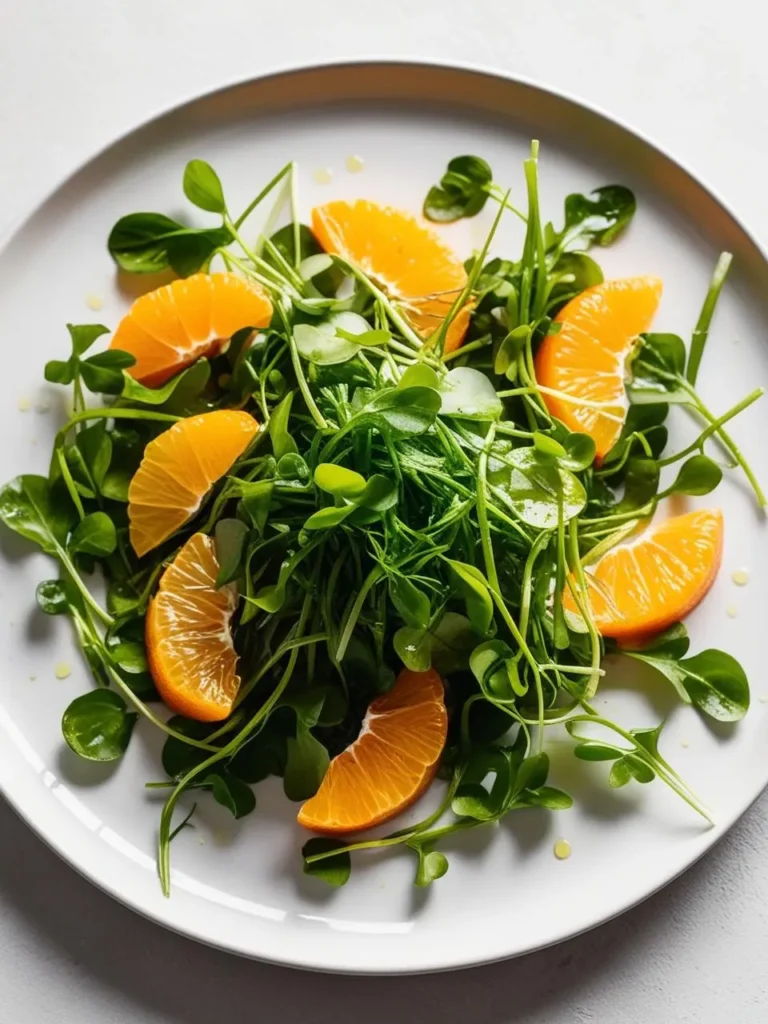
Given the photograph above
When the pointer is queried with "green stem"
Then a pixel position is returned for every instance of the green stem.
(729, 443)
(402, 835)
(581, 597)
(284, 648)
(525, 601)
(306, 393)
(701, 331)
(535, 228)
(267, 270)
(79, 397)
(371, 580)
(266, 282)
(392, 312)
(163, 851)
(287, 269)
(473, 346)
(711, 429)
(437, 341)
(294, 186)
(493, 578)
(498, 195)
(262, 195)
(109, 413)
(68, 480)
(665, 772)
(539, 389)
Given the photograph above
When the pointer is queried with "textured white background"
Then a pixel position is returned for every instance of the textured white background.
(690, 74)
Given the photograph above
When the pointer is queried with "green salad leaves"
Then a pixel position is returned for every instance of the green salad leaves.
(396, 508)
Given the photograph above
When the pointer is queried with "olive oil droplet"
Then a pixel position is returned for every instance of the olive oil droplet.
(63, 670)
(322, 175)
(355, 164)
(740, 577)
(94, 302)
(562, 849)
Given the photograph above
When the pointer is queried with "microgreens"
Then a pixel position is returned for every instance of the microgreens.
(396, 507)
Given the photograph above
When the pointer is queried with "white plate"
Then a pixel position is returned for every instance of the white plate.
(239, 886)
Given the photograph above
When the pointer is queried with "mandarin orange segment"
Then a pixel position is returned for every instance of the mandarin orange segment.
(643, 587)
(587, 358)
(189, 643)
(178, 469)
(389, 765)
(407, 260)
(171, 327)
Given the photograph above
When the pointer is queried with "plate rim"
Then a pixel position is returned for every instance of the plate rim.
(17, 227)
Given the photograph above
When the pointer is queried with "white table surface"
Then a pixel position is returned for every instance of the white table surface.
(688, 73)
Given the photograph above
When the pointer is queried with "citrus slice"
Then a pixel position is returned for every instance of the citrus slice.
(641, 588)
(405, 259)
(189, 644)
(178, 469)
(171, 327)
(391, 762)
(586, 359)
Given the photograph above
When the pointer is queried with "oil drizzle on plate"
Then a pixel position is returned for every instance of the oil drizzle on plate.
(740, 577)
(322, 175)
(562, 849)
(354, 164)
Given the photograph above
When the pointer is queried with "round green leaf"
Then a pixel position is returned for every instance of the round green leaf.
(469, 394)
(414, 647)
(97, 726)
(339, 481)
(95, 535)
(333, 870)
(548, 446)
(231, 792)
(203, 187)
(432, 865)
(534, 489)
(698, 475)
(332, 341)
(717, 685)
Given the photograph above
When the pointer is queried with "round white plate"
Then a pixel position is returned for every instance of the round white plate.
(240, 886)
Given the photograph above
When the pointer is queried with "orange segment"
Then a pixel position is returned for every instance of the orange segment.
(643, 587)
(178, 469)
(171, 327)
(189, 644)
(587, 358)
(389, 765)
(407, 260)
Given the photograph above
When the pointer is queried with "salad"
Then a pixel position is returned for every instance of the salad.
(366, 516)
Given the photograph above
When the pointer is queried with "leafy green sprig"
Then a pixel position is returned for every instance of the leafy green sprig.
(395, 509)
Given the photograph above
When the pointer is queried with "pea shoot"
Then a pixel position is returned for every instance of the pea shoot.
(400, 506)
